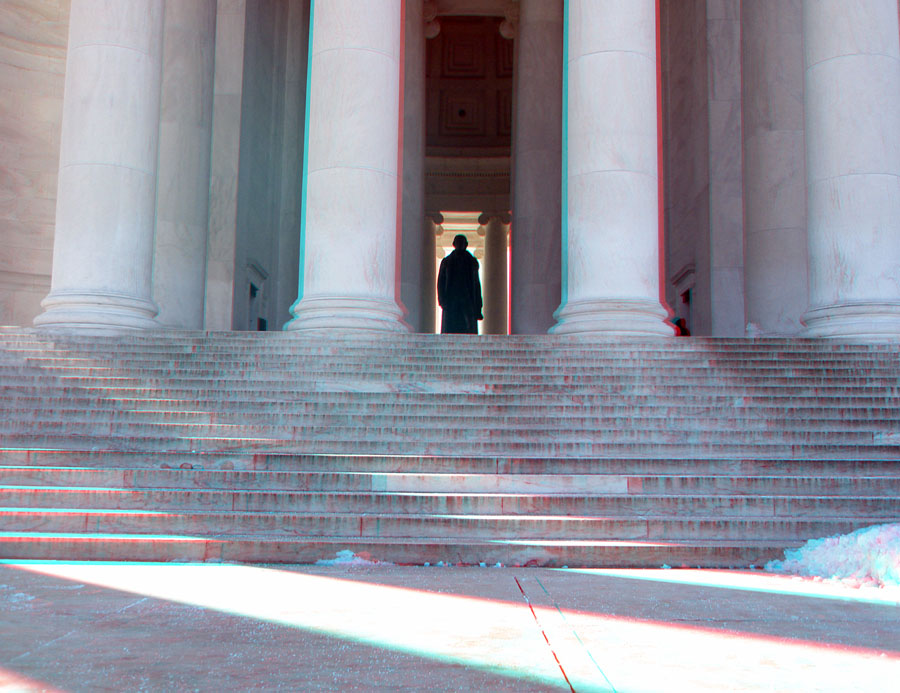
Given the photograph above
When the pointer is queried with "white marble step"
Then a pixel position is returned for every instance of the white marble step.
(210, 523)
(573, 553)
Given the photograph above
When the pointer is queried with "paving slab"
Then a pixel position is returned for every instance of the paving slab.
(91, 626)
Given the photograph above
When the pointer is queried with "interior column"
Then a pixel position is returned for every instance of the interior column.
(429, 272)
(103, 244)
(852, 82)
(350, 215)
(496, 272)
(536, 243)
(612, 231)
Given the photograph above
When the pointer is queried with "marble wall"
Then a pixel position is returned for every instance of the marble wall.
(703, 169)
(776, 265)
(185, 134)
(259, 188)
(726, 239)
(226, 138)
(33, 38)
(686, 160)
(292, 144)
(259, 194)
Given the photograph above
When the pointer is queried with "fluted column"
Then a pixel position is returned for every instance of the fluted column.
(536, 243)
(775, 257)
(182, 217)
(103, 244)
(412, 270)
(852, 82)
(612, 235)
(350, 215)
(496, 272)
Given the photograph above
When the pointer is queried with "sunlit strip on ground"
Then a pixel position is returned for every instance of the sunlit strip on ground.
(501, 636)
(12, 682)
(759, 582)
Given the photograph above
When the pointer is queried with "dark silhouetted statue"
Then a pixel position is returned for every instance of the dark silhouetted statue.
(459, 290)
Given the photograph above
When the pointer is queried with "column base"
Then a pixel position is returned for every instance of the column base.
(96, 312)
(864, 320)
(346, 313)
(613, 317)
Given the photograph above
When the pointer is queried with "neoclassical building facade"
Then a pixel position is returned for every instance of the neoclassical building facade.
(301, 164)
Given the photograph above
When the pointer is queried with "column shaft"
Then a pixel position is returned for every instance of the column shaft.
(350, 221)
(852, 85)
(182, 216)
(775, 261)
(613, 231)
(536, 240)
(496, 298)
(103, 244)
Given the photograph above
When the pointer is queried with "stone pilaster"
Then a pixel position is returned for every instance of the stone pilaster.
(350, 218)
(429, 273)
(611, 168)
(496, 273)
(103, 245)
(852, 108)
(536, 241)
(775, 247)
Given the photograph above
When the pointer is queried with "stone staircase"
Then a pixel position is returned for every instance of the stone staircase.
(419, 448)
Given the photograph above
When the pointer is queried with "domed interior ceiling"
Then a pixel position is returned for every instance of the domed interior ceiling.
(469, 73)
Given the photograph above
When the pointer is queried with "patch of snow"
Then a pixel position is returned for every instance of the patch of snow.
(348, 558)
(868, 556)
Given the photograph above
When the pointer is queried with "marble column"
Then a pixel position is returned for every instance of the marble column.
(612, 235)
(103, 245)
(852, 83)
(412, 269)
(185, 138)
(775, 247)
(350, 219)
(496, 273)
(537, 143)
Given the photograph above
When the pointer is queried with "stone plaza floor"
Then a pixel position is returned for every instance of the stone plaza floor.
(68, 626)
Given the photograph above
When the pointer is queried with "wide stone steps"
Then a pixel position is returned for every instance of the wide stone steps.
(521, 450)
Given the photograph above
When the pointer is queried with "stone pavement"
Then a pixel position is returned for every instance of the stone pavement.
(68, 626)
